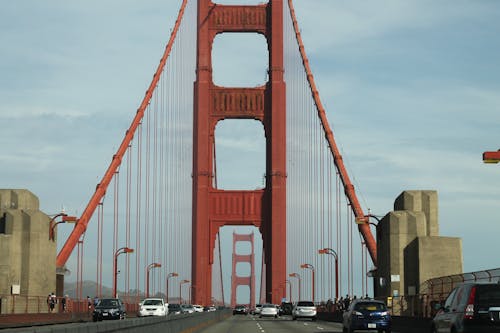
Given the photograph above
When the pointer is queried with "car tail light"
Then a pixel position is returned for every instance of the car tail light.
(469, 308)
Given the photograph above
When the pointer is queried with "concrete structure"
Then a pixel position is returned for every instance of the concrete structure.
(410, 250)
(27, 261)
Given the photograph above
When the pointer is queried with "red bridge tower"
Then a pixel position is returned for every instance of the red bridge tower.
(243, 280)
(212, 207)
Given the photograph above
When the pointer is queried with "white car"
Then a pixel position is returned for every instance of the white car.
(210, 309)
(152, 307)
(198, 308)
(257, 309)
(304, 309)
(269, 310)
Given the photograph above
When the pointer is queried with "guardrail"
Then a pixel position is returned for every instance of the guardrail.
(27, 304)
(172, 323)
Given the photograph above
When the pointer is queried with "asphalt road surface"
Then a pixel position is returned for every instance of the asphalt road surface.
(283, 324)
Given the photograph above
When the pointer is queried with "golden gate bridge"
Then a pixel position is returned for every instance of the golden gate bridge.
(160, 198)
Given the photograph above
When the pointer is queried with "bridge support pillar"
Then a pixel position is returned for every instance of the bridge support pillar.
(214, 208)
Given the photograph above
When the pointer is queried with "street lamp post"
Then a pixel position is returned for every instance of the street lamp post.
(180, 289)
(173, 274)
(289, 289)
(311, 267)
(148, 268)
(328, 250)
(64, 219)
(115, 267)
(297, 275)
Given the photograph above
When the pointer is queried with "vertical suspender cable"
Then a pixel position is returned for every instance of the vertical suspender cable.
(147, 243)
(115, 215)
(99, 249)
(154, 189)
(128, 209)
(138, 211)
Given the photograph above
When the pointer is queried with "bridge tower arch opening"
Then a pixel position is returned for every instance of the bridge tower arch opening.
(264, 208)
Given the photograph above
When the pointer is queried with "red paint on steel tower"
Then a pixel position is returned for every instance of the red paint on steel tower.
(238, 280)
(212, 207)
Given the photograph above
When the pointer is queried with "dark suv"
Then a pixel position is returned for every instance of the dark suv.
(470, 308)
(109, 308)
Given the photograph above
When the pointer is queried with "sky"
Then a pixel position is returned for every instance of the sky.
(411, 89)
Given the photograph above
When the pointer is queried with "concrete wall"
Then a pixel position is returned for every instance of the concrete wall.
(447, 251)
(27, 255)
(421, 201)
(410, 250)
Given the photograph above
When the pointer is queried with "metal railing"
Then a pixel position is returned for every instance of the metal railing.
(26, 304)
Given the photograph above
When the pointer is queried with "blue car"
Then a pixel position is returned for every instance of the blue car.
(366, 314)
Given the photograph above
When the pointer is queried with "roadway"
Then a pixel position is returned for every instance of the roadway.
(217, 324)
(283, 324)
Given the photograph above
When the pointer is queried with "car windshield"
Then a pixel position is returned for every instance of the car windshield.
(370, 306)
(305, 303)
(108, 302)
(268, 306)
(174, 306)
(153, 302)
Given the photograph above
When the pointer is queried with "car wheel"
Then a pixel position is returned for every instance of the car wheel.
(294, 318)
(313, 318)
(433, 329)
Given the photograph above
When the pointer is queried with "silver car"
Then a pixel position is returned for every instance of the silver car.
(268, 310)
(304, 309)
(187, 308)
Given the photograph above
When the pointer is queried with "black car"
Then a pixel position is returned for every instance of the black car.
(109, 308)
(286, 308)
(470, 308)
(174, 309)
(240, 309)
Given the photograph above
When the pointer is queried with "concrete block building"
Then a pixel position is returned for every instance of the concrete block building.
(410, 249)
(27, 260)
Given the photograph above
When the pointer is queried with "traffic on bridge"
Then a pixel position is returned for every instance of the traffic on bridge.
(228, 203)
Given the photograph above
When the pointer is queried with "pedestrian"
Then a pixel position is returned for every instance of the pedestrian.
(347, 302)
(96, 301)
(89, 303)
(52, 302)
(341, 304)
(63, 303)
(48, 303)
(329, 305)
